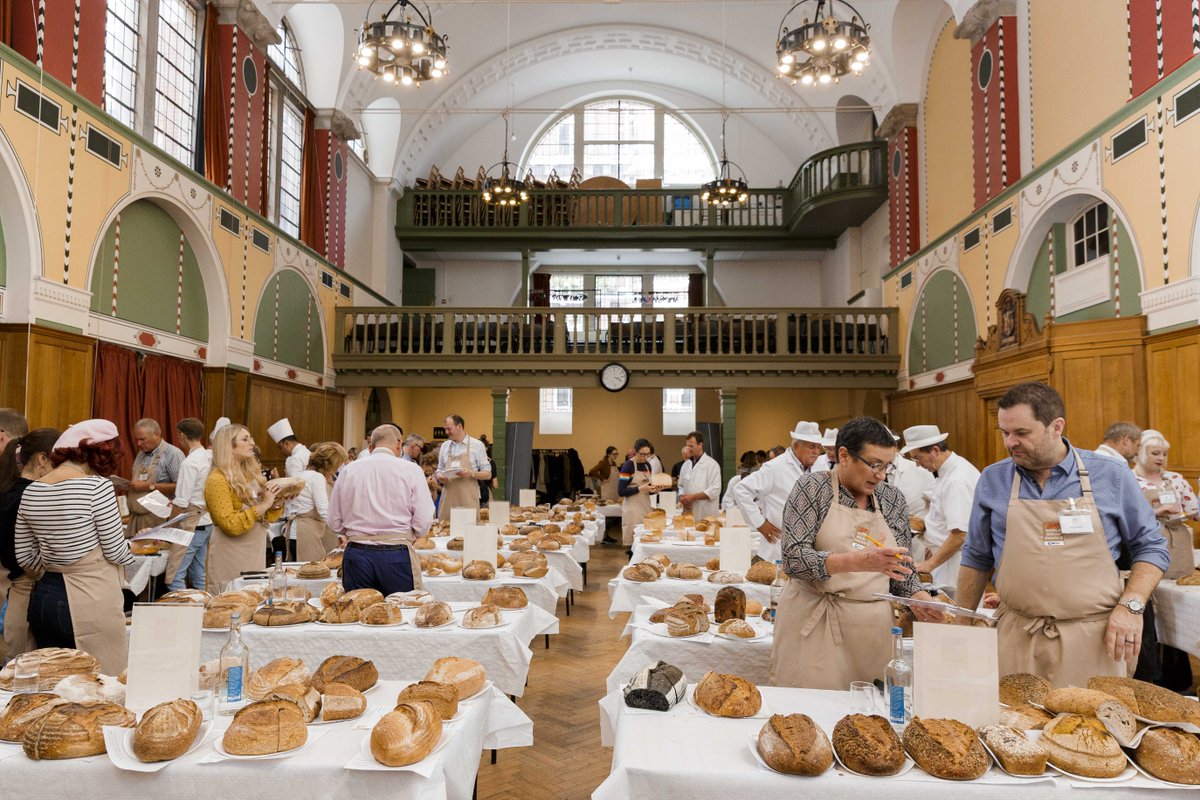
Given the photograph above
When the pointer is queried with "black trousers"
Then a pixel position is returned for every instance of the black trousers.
(386, 568)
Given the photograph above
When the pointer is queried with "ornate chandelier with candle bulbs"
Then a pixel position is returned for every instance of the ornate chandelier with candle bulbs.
(822, 49)
(400, 49)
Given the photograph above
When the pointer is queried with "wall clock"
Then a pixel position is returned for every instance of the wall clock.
(614, 377)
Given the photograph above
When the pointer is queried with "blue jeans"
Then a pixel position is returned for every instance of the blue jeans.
(50, 613)
(383, 567)
(191, 569)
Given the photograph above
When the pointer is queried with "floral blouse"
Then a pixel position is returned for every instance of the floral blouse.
(1179, 484)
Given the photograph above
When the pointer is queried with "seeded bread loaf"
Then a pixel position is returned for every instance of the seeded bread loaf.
(946, 748)
(868, 744)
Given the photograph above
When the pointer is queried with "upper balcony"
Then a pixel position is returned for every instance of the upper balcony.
(832, 191)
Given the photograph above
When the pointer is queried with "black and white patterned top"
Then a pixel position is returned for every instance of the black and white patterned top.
(805, 511)
(60, 523)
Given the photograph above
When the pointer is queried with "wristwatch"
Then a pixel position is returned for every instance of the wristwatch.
(1135, 606)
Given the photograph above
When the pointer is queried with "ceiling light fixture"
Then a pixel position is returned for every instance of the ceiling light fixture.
(824, 49)
(505, 189)
(401, 50)
(726, 190)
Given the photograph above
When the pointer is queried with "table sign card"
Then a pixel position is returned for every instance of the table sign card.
(164, 649)
(479, 544)
(956, 673)
(460, 519)
(528, 498)
(498, 513)
(666, 501)
(735, 550)
(734, 518)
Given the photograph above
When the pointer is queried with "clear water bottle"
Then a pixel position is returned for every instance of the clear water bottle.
(777, 588)
(234, 671)
(898, 683)
(277, 584)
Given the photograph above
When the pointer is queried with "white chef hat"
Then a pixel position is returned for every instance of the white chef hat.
(221, 423)
(281, 430)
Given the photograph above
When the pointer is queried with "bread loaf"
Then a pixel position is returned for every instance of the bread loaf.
(194, 597)
(696, 600)
(730, 603)
(339, 701)
(22, 710)
(794, 744)
(761, 572)
(685, 572)
(342, 611)
(72, 730)
(753, 608)
(424, 543)
(406, 735)
(275, 673)
(727, 695)
(333, 559)
(641, 573)
(1024, 717)
(479, 571)
(443, 696)
(485, 616)
(289, 488)
(331, 593)
(549, 543)
(724, 576)
(287, 612)
(90, 689)
(946, 748)
(466, 676)
(685, 620)
(385, 613)
(304, 696)
(412, 599)
(1093, 703)
(1170, 754)
(659, 567)
(868, 745)
(1081, 745)
(54, 664)
(351, 670)
(166, 731)
(363, 598)
(656, 688)
(265, 727)
(1016, 754)
(1148, 700)
(313, 571)
(737, 627)
(660, 615)
(432, 615)
(506, 597)
(520, 544)
(1022, 687)
(713, 564)
(455, 543)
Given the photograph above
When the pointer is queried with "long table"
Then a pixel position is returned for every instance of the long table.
(626, 595)
(1177, 612)
(403, 650)
(490, 721)
(565, 561)
(685, 753)
(694, 552)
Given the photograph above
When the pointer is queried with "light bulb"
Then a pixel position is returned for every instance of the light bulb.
(364, 59)
(788, 58)
(806, 79)
(365, 50)
(839, 43)
(856, 66)
(389, 77)
(418, 47)
(818, 44)
(785, 68)
(406, 79)
(397, 44)
(862, 55)
(825, 77)
(437, 73)
(439, 63)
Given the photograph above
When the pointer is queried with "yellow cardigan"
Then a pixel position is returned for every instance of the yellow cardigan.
(226, 508)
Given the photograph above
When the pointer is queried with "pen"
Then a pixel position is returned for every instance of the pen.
(871, 539)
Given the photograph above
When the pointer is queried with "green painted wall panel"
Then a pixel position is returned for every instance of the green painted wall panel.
(932, 341)
(264, 322)
(294, 336)
(316, 347)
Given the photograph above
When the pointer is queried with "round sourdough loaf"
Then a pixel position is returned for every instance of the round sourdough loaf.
(484, 616)
(479, 571)
(313, 571)
(350, 670)
(196, 597)
(868, 744)
(166, 731)
(406, 735)
(72, 730)
(385, 613)
(54, 664)
(304, 696)
(275, 673)
(432, 615)
(331, 593)
(1170, 754)
(727, 695)
(1082, 745)
(265, 727)
(21, 712)
(946, 748)
(1115, 715)
(288, 612)
(794, 744)
(506, 597)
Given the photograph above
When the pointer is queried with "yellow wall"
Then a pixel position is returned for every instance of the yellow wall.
(420, 410)
(766, 416)
(949, 187)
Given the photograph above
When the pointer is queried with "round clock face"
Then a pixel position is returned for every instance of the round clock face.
(614, 377)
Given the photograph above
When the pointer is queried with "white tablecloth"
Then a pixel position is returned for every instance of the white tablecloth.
(681, 553)
(491, 721)
(627, 595)
(1177, 612)
(402, 651)
(610, 510)
(562, 560)
(685, 753)
(143, 570)
(750, 658)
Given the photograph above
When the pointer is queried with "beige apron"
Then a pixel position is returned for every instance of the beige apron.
(229, 556)
(608, 488)
(1055, 598)
(414, 559)
(459, 492)
(830, 634)
(1178, 535)
(140, 517)
(17, 638)
(312, 536)
(634, 507)
(176, 552)
(97, 609)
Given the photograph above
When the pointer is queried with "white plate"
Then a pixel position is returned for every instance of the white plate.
(685, 542)
(487, 685)
(1148, 776)
(365, 748)
(753, 741)
(660, 629)
(386, 624)
(757, 635)
(441, 577)
(905, 767)
(996, 761)
(119, 746)
(324, 624)
(433, 627)
(219, 746)
(1130, 772)
(319, 721)
(763, 711)
(503, 623)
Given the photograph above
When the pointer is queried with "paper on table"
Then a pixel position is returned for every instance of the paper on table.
(498, 513)
(528, 498)
(149, 533)
(364, 761)
(164, 649)
(172, 535)
(735, 550)
(479, 543)
(956, 673)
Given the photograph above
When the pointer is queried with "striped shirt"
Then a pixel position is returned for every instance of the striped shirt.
(60, 523)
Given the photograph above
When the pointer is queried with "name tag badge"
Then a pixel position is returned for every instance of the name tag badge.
(861, 537)
(1076, 521)
(1167, 498)
(1052, 535)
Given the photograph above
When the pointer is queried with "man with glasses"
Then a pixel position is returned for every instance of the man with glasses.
(700, 483)
(634, 489)
(845, 539)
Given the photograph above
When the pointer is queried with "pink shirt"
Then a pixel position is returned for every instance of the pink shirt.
(380, 494)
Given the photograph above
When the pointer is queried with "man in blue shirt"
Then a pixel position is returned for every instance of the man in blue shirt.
(1051, 520)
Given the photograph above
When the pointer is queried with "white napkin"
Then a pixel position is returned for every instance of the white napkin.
(216, 757)
(365, 762)
(119, 743)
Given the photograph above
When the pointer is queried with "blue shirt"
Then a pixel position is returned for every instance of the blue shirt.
(1126, 516)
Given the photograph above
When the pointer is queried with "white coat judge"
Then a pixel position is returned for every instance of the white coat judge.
(700, 487)
(761, 495)
(295, 452)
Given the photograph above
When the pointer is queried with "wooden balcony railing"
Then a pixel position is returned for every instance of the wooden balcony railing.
(841, 170)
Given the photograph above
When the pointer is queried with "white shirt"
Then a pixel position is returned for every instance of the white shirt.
(761, 496)
(297, 462)
(727, 502)
(914, 482)
(315, 494)
(821, 464)
(451, 449)
(950, 510)
(655, 464)
(1105, 450)
(704, 476)
(189, 486)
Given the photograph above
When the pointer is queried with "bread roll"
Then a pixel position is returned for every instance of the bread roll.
(641, 573)
(339, 701)
(737, 627)
(727, 695)
(479, 571)
(730, 603)
(304, 696)
(443, 696)
(685, 620)
(724, 576)
(506, 597)
(1021, 687)
(54, 664)
(794, 744)
(342, 611)
(275, 673)
(484, 616)
(753, 608)
(867, 744)
(684, 572)
(1148, 700)
(313, 571)
(432, 615)
(1170, 754)
(1024, 717)
(1081, 745)
(331, 593)
(351, 670)
(166, 731)
(1016, 754)
(761, 572)
(946, 748)
(194, 597)
(385, 613)
(21, 712)
(265, 727)
(406, 735)
(456, 543)
(1093, 703)
(287, 612)
(713, 564)
(466, 676)
(72, 730)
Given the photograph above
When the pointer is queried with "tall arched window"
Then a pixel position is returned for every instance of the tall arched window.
(622, 138)
(287, 129)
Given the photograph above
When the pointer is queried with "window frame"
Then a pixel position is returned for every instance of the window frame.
(137, 66)
(153, 19)
(283, 91)
(1099, 235)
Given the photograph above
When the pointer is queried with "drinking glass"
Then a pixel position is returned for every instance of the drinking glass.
(26, 673)
(864, 698)
(205, 699)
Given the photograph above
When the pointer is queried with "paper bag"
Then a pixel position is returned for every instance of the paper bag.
(528, 498)
(734, 518)
(666, 501)
(479, 544)
(735, 550)
(461, 519)
(956, 673)
(164, 649)
(498, 513)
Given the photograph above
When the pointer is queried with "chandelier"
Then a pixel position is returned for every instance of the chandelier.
(504, 189)
(824, 49)
(726, 190)
(401, 50)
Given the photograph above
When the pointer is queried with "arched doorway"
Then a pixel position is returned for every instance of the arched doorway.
(379, 410)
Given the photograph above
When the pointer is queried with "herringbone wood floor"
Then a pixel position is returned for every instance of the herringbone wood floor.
(565, 684)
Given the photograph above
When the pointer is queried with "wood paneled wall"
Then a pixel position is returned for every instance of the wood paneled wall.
(956, 409)
(1172, 380)
(47, 374)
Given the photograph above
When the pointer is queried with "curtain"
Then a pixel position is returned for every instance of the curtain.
(170, 391)
(264, 205)
(214, 120)
(311, 195)
(117, 396)
(6, 12)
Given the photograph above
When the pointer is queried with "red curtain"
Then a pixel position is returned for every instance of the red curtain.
(312, 197)
(6, 12)
(215, 114)
(117, 395)
(170, 391)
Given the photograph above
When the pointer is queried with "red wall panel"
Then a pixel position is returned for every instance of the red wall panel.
(63, 54)
(995, 110)
(1152, 23)
(247, 62)
(333, 155)
(903, 196)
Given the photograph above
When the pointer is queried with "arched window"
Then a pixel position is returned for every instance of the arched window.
(625, 139)
(286, 56)
(287, 129)
(1088, 234)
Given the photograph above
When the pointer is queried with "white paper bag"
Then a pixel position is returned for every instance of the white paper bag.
(666, 501)
(528, 498)
(735, 550)
(734, 518)
(956, 673)
(164, 649)
(498, 513)
(479, 544)
(460, 519)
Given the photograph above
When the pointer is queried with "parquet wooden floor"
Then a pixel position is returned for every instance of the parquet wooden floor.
(565, 684)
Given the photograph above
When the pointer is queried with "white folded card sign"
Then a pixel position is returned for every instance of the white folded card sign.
(666, 501)
(479, 544)
(460, 518)
(498, 513)
(528, 498)
(164, 649)
(735, 550)
(956, 673)
(734, 518)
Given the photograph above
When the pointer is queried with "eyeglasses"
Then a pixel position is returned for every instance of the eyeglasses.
(647, 454)
(879, 468)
